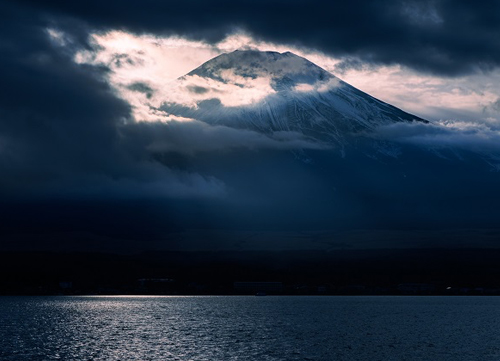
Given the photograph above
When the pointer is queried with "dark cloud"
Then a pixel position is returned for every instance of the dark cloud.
(194, 137)
(476, 137)
(496, 105)
(197, 89)
(61, 125)
(439, 36)
(142, 88)
(349, 63)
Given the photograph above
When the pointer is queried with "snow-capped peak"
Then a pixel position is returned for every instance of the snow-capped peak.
(270, 91)
(282, 68)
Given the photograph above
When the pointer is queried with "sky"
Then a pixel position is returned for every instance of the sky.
(157, 60)
(82, 85)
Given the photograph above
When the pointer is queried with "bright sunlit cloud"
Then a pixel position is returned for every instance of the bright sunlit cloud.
(232, 91)
(469, 98)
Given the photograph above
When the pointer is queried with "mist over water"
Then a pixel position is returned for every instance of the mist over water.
(249, 328)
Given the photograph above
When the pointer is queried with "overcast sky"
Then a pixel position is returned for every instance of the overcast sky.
(438, 59)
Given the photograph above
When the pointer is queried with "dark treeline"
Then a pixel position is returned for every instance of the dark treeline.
(408, 271)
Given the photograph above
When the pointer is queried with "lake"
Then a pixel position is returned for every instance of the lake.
(250, 328)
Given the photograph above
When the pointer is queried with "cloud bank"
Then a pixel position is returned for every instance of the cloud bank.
(437, 36)
(194, 137)
(479, 138)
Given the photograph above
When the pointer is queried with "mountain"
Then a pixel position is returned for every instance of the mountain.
(358, 180)
(271, 91)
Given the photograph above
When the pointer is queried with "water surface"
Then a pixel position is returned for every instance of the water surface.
(250, 328)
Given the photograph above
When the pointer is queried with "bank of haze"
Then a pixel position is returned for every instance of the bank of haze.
(272, 92)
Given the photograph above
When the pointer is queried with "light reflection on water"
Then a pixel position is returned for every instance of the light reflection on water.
(249, 328)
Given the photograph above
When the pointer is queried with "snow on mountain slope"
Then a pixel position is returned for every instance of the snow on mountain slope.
(271, 92)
